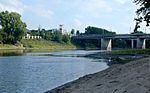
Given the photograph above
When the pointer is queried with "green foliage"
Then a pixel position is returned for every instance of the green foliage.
(137, 32)
(72, 31)
(95, 30)
(1, 37)
(9, 46)
(57, 36)
(78, 32)
(120, 43)
(13, 29)
(66, 38)
(143, 12)
(34, 32)
(50, 35)
(137, 26)
(87, 44)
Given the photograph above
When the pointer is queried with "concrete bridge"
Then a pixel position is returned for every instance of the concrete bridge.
(106, 40)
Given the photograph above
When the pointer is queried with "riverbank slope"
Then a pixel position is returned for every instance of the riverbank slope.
(133, 77)
(38, 44)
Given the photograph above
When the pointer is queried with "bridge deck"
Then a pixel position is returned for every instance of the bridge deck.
(118, 36)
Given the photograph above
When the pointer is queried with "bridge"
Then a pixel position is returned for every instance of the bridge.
(106, 40)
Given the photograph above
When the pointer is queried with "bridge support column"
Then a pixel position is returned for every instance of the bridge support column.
(132, 43)
(144, 44)
(106, 44)
(141, 43)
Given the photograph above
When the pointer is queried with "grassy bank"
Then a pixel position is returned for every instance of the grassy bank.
(38, 44)
(130, 52)
(10, 46)
(121, 56)
(43, 44)
(128, 55)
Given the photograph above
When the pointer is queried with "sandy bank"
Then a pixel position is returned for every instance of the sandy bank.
(133, 77)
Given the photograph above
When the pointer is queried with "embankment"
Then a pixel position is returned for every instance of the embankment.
(38, 44)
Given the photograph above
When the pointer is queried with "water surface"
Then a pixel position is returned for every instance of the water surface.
(36, 72)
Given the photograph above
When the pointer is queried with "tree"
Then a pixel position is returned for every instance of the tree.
(144, 11)
(42, 33)
(57, 36)
(1, 38)
(78, 32)
(13, 29)
(138, 21)
(96, 30)
(72, 31)
(48, 35)
(66, 38)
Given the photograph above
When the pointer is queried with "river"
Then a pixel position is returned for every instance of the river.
(36, 72)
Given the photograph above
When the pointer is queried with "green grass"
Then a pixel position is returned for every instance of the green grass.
(9, 46)
(128, 55)
(43, 44)
(38, 44)
(130, 51)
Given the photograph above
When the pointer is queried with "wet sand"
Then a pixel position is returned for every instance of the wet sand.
(133, 77)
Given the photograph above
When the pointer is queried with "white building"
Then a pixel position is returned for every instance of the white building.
(28, 36)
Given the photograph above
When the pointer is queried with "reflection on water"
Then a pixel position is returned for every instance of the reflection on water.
(15, 52)
(25, 73)
(11, 52)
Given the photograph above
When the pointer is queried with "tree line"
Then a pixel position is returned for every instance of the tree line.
(96, 30)
(51, 35)
(12, 30)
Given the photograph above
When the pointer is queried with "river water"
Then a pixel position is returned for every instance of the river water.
(36, 72)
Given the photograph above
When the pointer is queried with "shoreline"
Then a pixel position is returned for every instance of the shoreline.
(132, 77)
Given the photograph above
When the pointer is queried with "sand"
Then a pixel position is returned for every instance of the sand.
(133, 77)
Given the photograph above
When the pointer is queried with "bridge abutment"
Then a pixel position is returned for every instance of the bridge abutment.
(106, 44)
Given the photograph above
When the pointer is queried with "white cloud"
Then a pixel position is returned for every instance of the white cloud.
(12, 6)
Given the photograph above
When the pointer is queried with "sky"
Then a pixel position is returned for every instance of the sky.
(113, 15)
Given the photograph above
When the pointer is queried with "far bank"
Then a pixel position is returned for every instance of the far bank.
(38, 44)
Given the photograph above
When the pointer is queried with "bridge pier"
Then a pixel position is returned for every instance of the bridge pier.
(141, 43)
(144, 44)
(106, 44)
(132, 43)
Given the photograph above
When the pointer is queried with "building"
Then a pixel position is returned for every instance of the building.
(28, 36)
